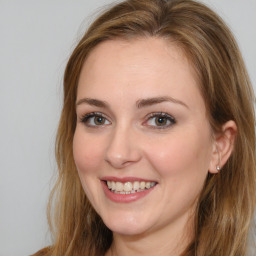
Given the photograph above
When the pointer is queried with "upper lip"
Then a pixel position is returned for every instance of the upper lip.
(125, 179)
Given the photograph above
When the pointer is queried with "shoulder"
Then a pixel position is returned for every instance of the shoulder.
(43, 252)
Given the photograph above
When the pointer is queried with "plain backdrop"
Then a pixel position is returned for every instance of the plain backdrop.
(36, 39)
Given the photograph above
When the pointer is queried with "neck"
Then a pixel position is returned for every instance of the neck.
(170, 240)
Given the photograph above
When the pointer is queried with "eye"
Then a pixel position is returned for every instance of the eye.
(160, 120)
(95, 119)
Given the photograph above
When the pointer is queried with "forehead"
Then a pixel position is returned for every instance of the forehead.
(146, 52)
(141, 66)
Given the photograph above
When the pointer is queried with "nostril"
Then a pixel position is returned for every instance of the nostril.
(118, 162)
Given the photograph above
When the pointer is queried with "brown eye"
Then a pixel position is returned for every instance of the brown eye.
(94, 119)
(98, 120)
(160, 120)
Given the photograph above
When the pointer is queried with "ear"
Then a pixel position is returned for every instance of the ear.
(223, 146)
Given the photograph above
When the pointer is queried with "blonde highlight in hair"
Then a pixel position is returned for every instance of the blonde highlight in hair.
(227, 202)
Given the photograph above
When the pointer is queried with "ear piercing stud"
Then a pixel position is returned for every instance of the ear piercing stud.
(218, 168)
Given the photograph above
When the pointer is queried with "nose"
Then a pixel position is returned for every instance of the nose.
(123, 149)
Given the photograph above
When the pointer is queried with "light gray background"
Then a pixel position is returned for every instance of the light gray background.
(36, 39)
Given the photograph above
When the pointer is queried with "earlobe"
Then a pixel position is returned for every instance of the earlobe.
(223, 146)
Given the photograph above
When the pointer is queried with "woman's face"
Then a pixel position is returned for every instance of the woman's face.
(143, 144)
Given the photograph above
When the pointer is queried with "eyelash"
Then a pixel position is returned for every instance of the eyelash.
(161, 115)
(84, 119)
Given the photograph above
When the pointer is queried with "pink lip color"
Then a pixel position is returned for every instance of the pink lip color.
(124, 198)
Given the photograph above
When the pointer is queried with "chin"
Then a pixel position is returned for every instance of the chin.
(127, 225)
(126, 230)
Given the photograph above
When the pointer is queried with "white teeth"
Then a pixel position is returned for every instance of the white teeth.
(136, 185)
(119, 186)
(148, 185)
(142, 185)
(109, 184)
(129, 187)
(113, 185)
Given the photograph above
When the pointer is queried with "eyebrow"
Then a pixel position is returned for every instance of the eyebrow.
(156, 100)
(139, 103)
(93, 102)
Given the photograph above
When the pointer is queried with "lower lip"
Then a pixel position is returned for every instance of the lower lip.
(125, 198)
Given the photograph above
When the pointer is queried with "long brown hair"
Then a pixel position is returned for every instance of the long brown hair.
(226, 205)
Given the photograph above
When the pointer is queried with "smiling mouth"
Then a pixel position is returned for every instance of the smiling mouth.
(129, 187)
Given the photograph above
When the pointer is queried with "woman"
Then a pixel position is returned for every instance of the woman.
(156, 142)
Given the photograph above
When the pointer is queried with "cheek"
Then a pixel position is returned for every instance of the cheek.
(87, 152)
(182, 166)
(189, 154)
